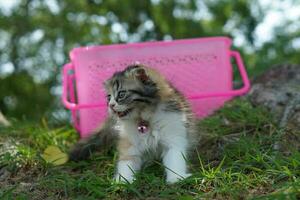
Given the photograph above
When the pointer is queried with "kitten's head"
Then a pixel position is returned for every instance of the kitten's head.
(130, 90)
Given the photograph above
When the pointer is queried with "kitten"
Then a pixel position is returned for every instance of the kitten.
(147, 116)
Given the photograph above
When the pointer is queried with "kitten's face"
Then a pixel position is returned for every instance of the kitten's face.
(129, 91)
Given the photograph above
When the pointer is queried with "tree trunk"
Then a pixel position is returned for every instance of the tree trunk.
(3, 120)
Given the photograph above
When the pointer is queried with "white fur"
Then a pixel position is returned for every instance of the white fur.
(126, 170)
(166, 131)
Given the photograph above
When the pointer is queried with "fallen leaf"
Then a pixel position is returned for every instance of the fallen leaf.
(55, 156)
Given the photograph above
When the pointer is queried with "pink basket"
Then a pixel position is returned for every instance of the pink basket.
(200, 68)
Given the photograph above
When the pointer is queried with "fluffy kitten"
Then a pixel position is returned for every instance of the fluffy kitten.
(147, 116)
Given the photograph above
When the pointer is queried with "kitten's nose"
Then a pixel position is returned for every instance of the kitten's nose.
(112, 105)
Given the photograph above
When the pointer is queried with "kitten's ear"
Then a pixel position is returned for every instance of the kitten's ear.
(140, 74)
(105, 84)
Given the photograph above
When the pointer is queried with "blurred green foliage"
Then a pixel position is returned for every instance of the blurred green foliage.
(36, 36)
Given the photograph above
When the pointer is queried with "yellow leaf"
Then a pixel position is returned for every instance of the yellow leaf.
(54, 155)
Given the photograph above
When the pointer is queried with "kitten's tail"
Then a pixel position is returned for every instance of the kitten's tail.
(104, 138)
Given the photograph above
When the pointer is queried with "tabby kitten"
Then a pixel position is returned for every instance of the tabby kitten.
(147, 116)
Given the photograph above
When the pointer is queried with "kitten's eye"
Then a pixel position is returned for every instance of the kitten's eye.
(121, 94)
(108, 97)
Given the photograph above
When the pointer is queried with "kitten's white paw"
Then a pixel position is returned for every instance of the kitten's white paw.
(175, 177)
(123, 179)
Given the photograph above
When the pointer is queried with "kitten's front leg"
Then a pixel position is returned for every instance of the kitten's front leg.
(174, 161)
(129, 162)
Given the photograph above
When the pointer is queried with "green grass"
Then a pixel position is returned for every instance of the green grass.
(238, 159)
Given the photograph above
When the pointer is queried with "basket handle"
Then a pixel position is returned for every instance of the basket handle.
(66, 87)
(237, 92)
